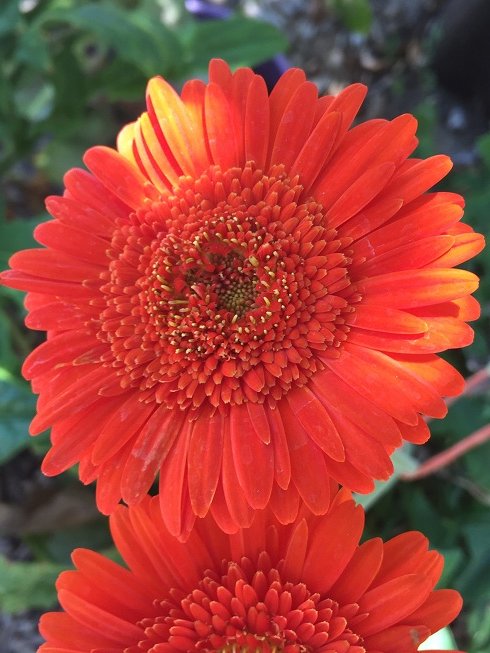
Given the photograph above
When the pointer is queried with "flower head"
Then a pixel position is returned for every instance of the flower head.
(308, 587)
(248, 297)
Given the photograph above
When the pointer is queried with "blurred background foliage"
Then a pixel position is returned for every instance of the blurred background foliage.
(71, 74)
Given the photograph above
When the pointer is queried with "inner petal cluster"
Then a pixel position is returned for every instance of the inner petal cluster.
(250, 608)
(226, 291)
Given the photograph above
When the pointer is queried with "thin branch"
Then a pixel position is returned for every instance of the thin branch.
(445, 458)
(472, 383)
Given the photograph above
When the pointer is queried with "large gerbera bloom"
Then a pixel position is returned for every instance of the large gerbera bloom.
(247, 297)
(304, 588)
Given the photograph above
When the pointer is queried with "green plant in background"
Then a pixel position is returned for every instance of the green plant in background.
(16, 401)
(64, 61)
(356, 15)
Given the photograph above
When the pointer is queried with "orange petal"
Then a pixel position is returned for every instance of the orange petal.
(385, 319)
(415, 177)
(254, 460)
(281, 95)
(285, 504)
(391, 602)
(282, 462)
(221, 137)
(465, 247)
(334, 393)
(413, 255)
(236, 501)
(257, 119)
(65, 238)
(442, 607)
(347, 522)
(413, 288)
(177, 127)
(172, 479)
(294, 126)
(123, 423)
(117, 174)
(118, 631)
(316, 422)
(313, 487)
(359, 194)
(295, 555)
(359, 573)
(149, 451)
(317, 149)
(204, 462)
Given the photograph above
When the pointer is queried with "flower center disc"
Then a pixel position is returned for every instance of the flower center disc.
(248, 608)
(251, 644)
(227, 291)
(203, 284)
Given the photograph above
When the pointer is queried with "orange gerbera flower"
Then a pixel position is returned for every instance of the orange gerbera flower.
(250, 286)
(308, 587)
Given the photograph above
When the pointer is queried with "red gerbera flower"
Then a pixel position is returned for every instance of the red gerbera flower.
(304, 588)
(250, 286)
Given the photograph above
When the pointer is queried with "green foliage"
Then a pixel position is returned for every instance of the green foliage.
(15, 342)
(356, 15)
(15, 235)
(16, 411)
(65, 60)
(243, 42)
(26, 585)
(479, 626)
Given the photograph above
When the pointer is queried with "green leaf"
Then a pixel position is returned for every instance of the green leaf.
(32, 50)
(7, 142)
(61, 154)
(483, 146)
(403, 462)
(240, 41)
(34, 96)
(356, 15)
(135, 36)
(10, 16)
(16, 235)
(17, 407)
(121, 82)
(167, 49)
(93, 535)
(478, 624)
(422, 515)
(27, 585)
(426, 114)
(71, 90)
(6, 94)
(464, 417)
(476, 463)
(453, 559)
(8, 358)
(473, 581)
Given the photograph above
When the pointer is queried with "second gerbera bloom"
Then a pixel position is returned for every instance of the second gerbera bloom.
(309, 587)
(248, 298)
